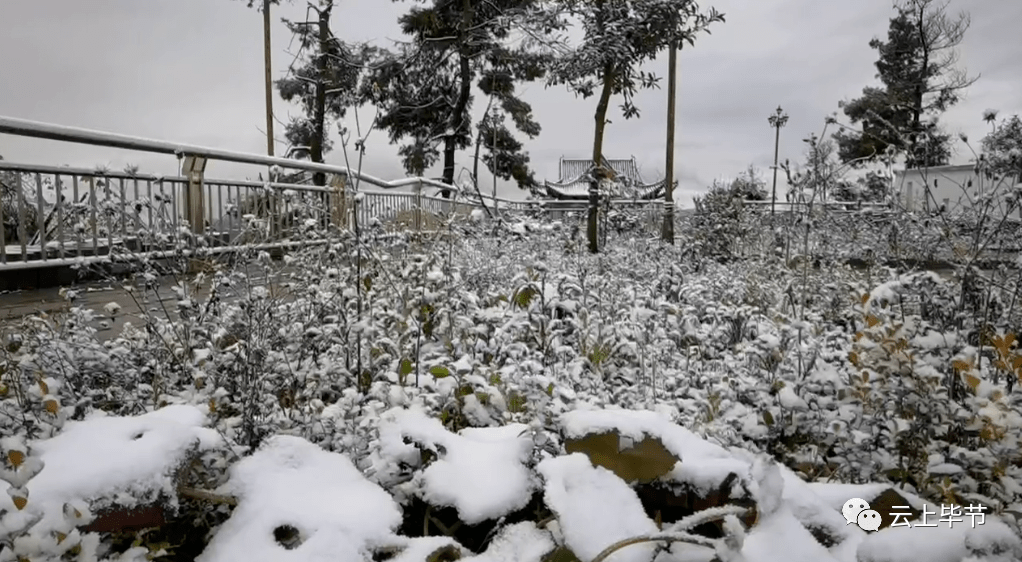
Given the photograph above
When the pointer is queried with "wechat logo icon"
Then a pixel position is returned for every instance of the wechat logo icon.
(856, 510)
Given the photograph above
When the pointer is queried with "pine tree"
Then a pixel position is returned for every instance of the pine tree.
(324, 82)
(425, 88)
(621, 35)
(917, 67)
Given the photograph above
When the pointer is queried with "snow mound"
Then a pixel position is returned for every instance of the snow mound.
(292, 485)
(781, 537)
(992, 541)
(635, 424)
(521, 542)
(797, 521)
(480, 472)
(595, 509)
(130, 459)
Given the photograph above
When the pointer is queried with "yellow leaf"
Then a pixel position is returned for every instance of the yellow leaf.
(19, 502)
(51, 406)
(972, 381)
(60, 537)
(16, 458)
(853, 358)
(864, 298)
(212, 406)
(44, 387)
(872, 320)
(961, 366)
(865, 376)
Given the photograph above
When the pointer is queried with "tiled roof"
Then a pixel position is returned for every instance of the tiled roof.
(574, 180)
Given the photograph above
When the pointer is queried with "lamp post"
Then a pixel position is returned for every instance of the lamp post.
(777, 120)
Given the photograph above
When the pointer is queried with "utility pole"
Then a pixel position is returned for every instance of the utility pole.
(777, 120)
(667, 233)
(493, 164)
(268, 77)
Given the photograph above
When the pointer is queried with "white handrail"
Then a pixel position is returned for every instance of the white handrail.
(36, 129)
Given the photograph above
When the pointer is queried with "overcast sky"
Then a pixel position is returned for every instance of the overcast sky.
(191, 71)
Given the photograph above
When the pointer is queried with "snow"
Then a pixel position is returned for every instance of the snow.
(940, 543)
(595, 508)
(836, 494)
(707, 474)
(289, 481)
(780, 537)
(480, 471)
(636, 424)
(521, 542)
(791, 401)
(104, 457)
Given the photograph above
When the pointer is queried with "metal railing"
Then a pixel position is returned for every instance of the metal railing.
(58, 216)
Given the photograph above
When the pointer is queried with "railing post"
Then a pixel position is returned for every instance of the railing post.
(193, 168)
(418, 206)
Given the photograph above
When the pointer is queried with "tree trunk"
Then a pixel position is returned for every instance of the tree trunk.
(319, 117)
(458, 121)
(593, 226)
(917, 94)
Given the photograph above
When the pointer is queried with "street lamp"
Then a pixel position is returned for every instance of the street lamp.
(777, 120)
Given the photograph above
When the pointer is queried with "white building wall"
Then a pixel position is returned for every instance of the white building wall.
(954, 187)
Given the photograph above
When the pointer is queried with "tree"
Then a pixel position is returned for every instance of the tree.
(870, 188)
(323, 81)
(917, 65)
(1002, 149)
(424, 89)
(619, 36)
(749, 186)
(818, 177)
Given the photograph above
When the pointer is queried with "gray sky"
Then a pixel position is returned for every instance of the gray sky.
(190, 71)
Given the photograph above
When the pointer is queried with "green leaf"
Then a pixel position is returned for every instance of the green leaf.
(524, 296)
(405, 367)
(768, 418)
(440, 371)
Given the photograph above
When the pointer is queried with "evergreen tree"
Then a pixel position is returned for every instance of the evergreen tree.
(917, 67)
(425, 88)
(323, 81)
(621, 35)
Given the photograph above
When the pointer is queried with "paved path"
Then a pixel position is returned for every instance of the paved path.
(15, 305)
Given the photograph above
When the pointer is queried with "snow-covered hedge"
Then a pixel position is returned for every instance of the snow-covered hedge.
(444, 374)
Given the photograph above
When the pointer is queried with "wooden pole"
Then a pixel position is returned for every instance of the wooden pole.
(268, 76)
(672, 90)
